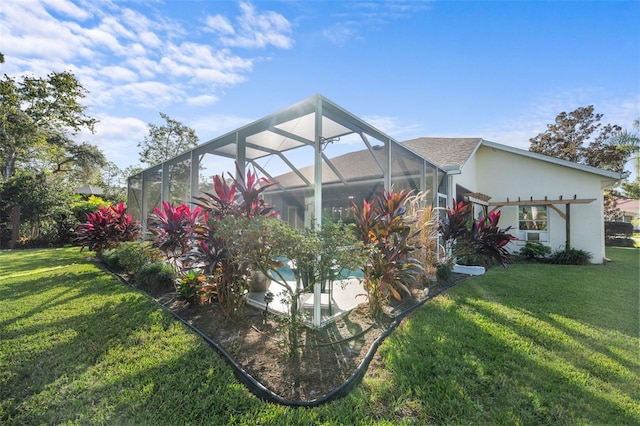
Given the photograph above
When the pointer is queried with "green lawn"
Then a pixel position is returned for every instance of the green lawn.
(532, 344)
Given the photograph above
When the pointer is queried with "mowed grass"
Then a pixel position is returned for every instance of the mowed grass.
(532, 344)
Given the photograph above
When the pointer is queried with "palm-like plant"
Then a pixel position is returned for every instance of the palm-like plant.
(106, 228)
(383, 227)
(173, 227)
(482, 240)
(238, 198)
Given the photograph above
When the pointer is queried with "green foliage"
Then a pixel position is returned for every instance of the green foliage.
(539, 344)
(618, 234)
(36, 115)
(579, 137)
(570, 256)
(316, 255)
(618, 229)
(632, 189)
(444, 272)
(239, 198)
(133, 255)
(45, 218)
(166, 141)
(191, 286)
(155, 275)
(534, 250)
(173, 228)
(110, 258)
(81, 207)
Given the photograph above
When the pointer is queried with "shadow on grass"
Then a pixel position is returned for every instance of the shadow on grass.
(469, 364)
(23, 260)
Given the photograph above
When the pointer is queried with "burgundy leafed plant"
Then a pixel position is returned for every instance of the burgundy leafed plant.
(481, 240)
(106, 228)
(173, 227)
(232, 197)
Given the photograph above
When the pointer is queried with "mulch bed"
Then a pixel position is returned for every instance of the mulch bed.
(329, 356)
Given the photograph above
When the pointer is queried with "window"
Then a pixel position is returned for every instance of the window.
(532, 223)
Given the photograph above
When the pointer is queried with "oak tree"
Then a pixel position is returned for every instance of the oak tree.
(579, 136)
(38, 117)
(166, 141)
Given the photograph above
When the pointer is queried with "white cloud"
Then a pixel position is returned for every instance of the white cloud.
(149, 94)
(211, 126)
(260, 29)
(202, 100)
(118, 138)
(119, 73)
(394, 127)
(68, 8)
(218, 24)
(136, 59)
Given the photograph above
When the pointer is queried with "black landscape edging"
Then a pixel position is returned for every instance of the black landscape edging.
(264, 393)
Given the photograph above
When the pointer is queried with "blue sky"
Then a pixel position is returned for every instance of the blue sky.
(497, 70)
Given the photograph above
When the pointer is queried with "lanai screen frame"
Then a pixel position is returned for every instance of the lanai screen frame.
(247, 144)
(314, 124)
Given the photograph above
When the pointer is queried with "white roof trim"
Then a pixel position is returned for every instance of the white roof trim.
(553, 160)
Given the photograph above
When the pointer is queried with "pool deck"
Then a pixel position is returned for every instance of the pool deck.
(344, 296)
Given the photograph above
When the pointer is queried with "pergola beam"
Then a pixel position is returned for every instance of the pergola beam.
(566, 215)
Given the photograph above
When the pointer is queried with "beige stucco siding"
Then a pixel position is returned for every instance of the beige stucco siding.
(501, 175)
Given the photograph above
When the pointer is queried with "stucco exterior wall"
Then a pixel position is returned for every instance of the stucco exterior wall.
(501, 175)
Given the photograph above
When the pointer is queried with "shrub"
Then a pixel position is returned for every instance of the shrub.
(81, 207)
(234, 198)
(618, 234)
(191, 287)
(570, 257)
(475, 241)
(173, 227)
(444, 272)
(107, 228)
(534, 250)
(132, 256)
(618, 229)
(110, 258)
(155, 275)
(619, 242)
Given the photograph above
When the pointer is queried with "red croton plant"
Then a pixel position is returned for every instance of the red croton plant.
(383, 227)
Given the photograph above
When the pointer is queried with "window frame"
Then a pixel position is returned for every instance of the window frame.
(539, 234)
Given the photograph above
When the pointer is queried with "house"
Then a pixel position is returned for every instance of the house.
(323, 157)
(544, 199)
(630, 209)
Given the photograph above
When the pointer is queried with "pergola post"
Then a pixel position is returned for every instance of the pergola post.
(568, 225)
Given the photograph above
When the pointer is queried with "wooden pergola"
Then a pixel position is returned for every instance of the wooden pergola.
(566, 215)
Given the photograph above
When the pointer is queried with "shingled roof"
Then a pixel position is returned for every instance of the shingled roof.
(353, 166)
(444, 152)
